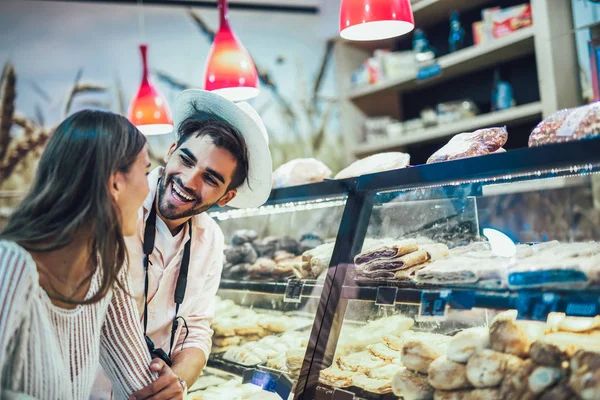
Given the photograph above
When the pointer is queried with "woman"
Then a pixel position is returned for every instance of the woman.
(63, 289)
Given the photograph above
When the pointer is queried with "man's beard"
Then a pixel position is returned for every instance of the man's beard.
(169, 210)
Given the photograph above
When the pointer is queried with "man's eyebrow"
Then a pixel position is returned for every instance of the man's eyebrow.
(189, 154)
(216, 174)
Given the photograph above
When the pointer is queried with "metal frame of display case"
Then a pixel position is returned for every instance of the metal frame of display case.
(523, 164)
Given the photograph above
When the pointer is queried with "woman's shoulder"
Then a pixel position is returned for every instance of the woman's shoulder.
(16, 265)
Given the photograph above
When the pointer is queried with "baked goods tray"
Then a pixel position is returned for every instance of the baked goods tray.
(217, 361)
(326, 392)
(273, 287)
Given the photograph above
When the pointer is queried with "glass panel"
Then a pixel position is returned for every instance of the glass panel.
(260, 322)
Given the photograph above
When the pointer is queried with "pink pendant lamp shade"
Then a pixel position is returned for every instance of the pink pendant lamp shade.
(149, 110)
(229, 70)
(375, 19)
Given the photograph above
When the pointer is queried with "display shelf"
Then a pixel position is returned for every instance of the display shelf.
(583, 303)
(526, 113)
(309, 288)
(462, 62)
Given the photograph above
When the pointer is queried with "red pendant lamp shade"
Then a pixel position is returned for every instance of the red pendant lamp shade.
(229, 70)
(375, 19)
(149, 110)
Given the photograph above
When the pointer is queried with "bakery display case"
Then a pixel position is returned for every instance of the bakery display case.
(470, 279)
(273, 275)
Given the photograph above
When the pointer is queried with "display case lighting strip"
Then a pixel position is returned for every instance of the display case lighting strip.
(574, 170)
(304, 205)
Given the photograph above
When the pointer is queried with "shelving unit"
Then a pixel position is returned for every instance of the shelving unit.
(550, 40)
(527, 112)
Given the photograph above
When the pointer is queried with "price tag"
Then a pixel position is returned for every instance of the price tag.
(434, 303)
(293, 291)
(429, 71)
(462, 300)
(581, 309)
(536, 306)
(269, 381)
(386, 296)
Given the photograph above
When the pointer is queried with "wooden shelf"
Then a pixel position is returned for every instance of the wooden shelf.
(524, 113)
(426, 13)
(461, 62)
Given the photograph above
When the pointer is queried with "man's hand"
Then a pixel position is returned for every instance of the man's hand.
(165, 387)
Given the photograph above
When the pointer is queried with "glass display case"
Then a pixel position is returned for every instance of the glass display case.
(470, 279)
(275, 261)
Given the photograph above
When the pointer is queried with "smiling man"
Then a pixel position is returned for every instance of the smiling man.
(221, 157)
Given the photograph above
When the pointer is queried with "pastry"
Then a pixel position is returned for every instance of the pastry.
(468, 342)
(276, 324)
(243, 236)
(435, 251)
(550, 353)
(567, 125)
(375, 163)
(380, 350)
(335, 377)
(241, 254)
(515, 384)
(262, 267)
(487, 368)
(412, 386)
(471, 144)
(277, 363)
(579, 325)
(362, 362)
(287, 267)
(379, 386)
(542, 378)
(266, 247)
(288, 244)
(282, 255)
(294, 359)
(395, 264)
(224, 328)
(468, 394)
(561, 391)
(393, 250)
(236, 271)
(396, 342)
(515, 337)
(386, 372)
(241, 356)
(409, 274)
(417, 355)
(444, 374)
(226, 341)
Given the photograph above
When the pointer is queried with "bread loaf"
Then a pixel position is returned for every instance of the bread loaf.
(468, 342)
(444, 374)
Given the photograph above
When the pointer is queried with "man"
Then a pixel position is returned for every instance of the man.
(221, 157)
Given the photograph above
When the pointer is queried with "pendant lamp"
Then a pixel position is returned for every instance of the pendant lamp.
(149, 110)
(229, 70)
(375, 19)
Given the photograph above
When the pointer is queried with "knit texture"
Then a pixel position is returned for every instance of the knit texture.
(52, 353)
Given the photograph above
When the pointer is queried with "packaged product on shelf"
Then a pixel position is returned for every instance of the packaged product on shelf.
(300, 172)
(376, 128)
(456, 110)
(567, 125)
(398, 64)
(375, 163)
(275, 258)
(472, 144)
(511, 19)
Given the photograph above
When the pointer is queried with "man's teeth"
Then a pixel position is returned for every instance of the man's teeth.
(179, 192)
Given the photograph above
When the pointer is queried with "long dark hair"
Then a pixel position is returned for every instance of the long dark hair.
(71, 192)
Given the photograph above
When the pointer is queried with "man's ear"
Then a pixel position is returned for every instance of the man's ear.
(171, 150)
(115, 185)
(230, 195)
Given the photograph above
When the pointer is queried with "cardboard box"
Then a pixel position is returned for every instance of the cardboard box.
(509, 20)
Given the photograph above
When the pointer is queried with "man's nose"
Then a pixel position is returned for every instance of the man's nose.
(192, 180)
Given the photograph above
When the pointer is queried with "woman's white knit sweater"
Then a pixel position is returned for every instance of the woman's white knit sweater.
(53, 353)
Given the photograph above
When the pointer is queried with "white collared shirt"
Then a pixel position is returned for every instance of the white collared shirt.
(204, 276)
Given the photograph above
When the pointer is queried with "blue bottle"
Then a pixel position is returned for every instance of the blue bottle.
(456, 40)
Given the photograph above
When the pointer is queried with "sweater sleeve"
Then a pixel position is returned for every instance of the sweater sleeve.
(16, 285)
(123, 354)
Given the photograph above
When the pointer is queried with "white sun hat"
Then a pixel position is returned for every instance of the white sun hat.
(255, 190)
